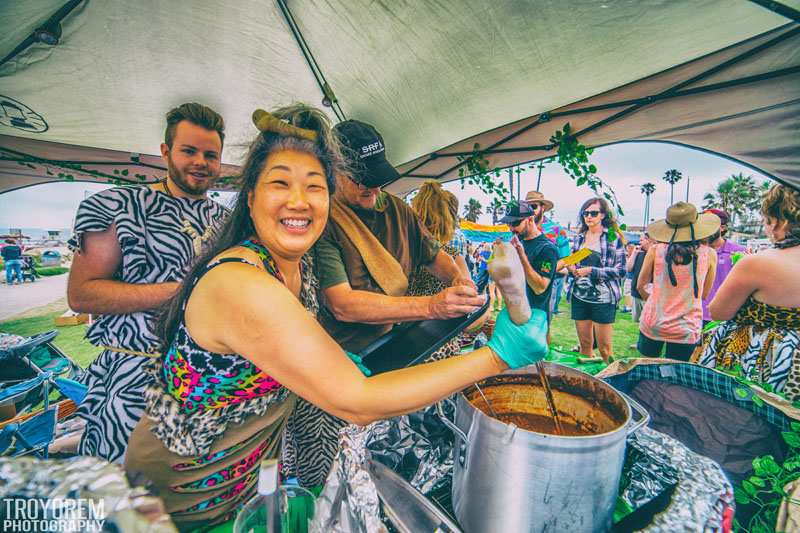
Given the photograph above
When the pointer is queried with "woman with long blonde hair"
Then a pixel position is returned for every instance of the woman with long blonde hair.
(437, 210)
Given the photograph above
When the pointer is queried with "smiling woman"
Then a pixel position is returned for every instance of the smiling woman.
(242, 333)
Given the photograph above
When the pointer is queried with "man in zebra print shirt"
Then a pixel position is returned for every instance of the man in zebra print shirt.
(133, 246)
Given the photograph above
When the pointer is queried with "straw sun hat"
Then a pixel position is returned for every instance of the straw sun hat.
(537, 197)
(683, 224)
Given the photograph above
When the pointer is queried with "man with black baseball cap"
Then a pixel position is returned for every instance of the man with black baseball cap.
(372, 243)
(537, 253)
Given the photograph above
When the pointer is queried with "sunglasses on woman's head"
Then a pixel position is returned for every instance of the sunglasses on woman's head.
(593, 213)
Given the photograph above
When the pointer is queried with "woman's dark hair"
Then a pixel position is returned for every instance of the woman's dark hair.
(682, 253)
(604, 208)
(238, 226)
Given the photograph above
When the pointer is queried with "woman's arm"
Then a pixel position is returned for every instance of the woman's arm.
(711, 274)
(742, 281)
(646, 274)
(238, 309)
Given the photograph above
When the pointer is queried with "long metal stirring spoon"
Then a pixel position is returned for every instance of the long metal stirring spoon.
(548, 394)
(491, 409)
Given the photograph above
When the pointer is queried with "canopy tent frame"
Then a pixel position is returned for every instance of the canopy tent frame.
(676, 91)
(375, 56)
(328, 95)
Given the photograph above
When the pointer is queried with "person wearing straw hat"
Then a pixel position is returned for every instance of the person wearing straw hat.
(682, 272)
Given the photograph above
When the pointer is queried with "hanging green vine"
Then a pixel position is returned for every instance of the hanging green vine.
(67, 170)
(574, 159)
(475, 171)
(570, 154)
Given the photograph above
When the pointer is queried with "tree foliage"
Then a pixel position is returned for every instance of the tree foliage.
(571, 154)
(739, 196)
(473, 210)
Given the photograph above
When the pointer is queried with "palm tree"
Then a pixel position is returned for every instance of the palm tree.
(737, 195)
(473, 210)
(672, 177)
(496, 209)
(647, 189)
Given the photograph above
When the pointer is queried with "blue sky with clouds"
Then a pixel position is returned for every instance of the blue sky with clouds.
(623, 166)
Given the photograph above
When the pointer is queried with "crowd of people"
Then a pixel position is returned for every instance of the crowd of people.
(230, 336)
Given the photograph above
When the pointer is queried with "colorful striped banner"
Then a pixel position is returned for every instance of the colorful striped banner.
(482, 233)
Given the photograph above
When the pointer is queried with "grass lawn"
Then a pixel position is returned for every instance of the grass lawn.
(564, 337)
(70, 338)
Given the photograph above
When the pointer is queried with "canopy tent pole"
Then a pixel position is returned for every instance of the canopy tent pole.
(329, 99)
(52, 26)
(780, 9)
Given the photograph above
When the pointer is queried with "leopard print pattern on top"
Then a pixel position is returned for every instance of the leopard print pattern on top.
(423, 283)
(765, 341)
(188, 423)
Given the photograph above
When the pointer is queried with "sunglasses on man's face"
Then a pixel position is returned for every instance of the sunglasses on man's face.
(593, 213)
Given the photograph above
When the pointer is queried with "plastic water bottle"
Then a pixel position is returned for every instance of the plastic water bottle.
(269, 495)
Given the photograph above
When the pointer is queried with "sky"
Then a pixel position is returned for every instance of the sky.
(623, 166)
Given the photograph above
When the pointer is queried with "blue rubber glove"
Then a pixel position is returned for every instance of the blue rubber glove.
(359, 363)
(521, 345)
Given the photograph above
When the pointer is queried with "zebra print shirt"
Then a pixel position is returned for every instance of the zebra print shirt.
(159, 236)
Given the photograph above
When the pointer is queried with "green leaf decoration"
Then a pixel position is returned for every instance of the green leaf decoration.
(757, 481)
(125, 172)
(741, 497)
(741, 393)
(791, 438)
(757, 400)
(770, 465)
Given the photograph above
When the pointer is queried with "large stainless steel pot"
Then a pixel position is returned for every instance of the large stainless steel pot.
(509, 479)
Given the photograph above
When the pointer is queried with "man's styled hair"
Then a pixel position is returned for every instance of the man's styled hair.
(195, 113)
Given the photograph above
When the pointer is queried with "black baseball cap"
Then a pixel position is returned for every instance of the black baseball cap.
(516, 212)
(367, 153)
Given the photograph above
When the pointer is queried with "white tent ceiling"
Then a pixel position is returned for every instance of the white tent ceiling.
(428, 75)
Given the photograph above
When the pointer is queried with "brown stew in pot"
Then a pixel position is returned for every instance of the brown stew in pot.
(545, 424)
(583, 409)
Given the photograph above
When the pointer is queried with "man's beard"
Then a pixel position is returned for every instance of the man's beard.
(179, 179)
(538, 218)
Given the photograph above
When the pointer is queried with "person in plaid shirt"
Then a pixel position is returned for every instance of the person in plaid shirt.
(595, 284)
(458, 242)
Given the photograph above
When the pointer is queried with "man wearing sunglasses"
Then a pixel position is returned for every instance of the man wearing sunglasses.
(537, 253)
(372, 243)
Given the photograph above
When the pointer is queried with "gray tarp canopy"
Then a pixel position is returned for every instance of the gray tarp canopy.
(434, 77)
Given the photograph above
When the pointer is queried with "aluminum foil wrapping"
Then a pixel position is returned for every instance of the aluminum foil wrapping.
(417, 446)
(349, 502)
(645, 475)
(703, 494)
(81, 494)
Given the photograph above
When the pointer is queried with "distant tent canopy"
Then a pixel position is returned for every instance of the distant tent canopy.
(435, 81)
